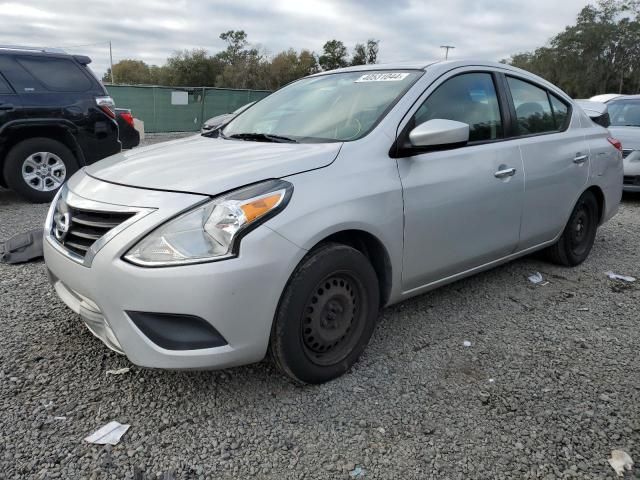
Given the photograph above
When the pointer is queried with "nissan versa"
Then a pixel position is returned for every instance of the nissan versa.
(339, 194)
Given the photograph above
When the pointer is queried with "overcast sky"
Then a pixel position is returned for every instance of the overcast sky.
(408, 30)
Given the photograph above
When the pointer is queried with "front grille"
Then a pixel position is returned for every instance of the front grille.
(632, 180)
(626, 153)
(77, 229)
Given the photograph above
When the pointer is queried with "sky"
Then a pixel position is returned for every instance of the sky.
(151, 30)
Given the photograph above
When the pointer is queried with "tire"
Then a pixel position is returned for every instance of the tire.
(575, 243)
(326, 316)
(37, 167)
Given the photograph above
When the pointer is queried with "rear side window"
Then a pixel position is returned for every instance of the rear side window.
(4, 86)
(469, 98)
(533, 110)
(56, 74)
(560, 112)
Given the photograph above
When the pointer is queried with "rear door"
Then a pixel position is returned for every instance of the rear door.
(9, 100)
(461, 209)
(555, 157)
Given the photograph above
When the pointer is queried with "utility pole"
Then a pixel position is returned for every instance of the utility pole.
(447, 48)
(111, 62)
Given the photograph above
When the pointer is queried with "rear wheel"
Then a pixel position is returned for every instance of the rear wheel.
(575, 243)
(326, 315)
(37, 167)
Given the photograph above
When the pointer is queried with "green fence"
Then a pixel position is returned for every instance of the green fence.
(179, 109)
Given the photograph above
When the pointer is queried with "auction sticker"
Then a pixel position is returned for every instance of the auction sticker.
(383, 77)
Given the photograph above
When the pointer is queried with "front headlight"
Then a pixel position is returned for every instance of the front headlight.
(211, 231)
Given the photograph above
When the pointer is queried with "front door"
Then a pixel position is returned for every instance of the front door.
(462, 206)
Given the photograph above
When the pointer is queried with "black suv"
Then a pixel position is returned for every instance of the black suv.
(55, 117)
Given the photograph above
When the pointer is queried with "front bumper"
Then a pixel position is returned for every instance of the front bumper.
(237, 296)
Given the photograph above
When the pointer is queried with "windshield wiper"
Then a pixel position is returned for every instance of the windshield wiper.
(262, 137)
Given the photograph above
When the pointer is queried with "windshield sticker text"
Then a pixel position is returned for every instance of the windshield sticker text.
(382, 77)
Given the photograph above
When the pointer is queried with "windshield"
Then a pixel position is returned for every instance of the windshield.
(327, 108)
(624, 113)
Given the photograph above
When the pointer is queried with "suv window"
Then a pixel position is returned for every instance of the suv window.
(4, 86)
(56, 74)
(533, 109)
(469, 98)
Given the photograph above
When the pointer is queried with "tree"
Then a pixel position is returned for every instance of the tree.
(130, 72)
(599, 54)
(334, 55)
(236, 46)
(193, 68)
(365, 54)
(289, 65)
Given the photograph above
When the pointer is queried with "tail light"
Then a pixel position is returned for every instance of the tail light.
(616, 143)
(107, 105)
(127, 117)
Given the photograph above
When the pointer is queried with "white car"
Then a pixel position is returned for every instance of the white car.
(624, 115)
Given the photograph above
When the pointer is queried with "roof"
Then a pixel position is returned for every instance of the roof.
(423, 65)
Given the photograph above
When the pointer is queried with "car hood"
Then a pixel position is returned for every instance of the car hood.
(629, 136)
(210, 166)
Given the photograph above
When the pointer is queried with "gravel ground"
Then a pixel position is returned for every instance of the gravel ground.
(549, 386)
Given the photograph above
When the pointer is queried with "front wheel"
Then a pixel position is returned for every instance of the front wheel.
(574, 245)
(37, 167)
(326, 315)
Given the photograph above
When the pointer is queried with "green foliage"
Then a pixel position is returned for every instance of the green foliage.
(129, 71)
(334, 56)
(365, 54)
(599, 54)
(240, 66)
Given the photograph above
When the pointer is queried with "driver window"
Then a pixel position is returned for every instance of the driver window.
(469, 98)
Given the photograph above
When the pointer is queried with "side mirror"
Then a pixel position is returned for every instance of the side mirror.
(439, 132)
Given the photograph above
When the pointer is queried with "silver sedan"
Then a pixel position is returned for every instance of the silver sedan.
(337, 195)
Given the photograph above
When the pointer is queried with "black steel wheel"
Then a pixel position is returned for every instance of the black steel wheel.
(575, 243)
(326, 315)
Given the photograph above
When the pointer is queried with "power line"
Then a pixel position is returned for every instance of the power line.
(447, 48)
(86, 45)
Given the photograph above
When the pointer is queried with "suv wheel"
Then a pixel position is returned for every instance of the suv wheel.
(326, 315)
(37, 167)
(574, 245)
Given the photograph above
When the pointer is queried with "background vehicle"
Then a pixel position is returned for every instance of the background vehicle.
(216, 122)
(127, 132)
(624, 114)
(339, 194)
(605, 97)
(55, 117)
(597, 111)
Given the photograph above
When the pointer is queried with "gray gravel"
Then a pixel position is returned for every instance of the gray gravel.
(549, 386)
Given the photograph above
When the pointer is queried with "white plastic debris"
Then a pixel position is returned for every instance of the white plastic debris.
(60, 418)
(466, 343)
(537, 279)
(119, 371)
(620, 461)
(357, 472)
(492, 380)
(616, 276)
(109, 434)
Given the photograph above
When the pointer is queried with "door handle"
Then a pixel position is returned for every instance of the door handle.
(6, 106)
(507, 172)
(580, 159)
